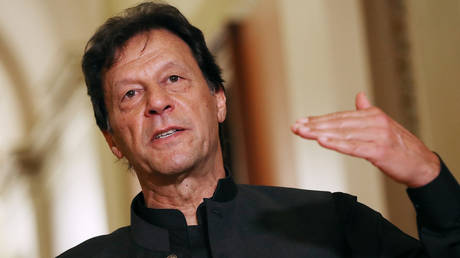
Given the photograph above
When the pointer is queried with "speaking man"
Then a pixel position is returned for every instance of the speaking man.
(158, 98)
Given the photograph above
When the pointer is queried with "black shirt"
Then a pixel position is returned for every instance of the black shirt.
(263, 221)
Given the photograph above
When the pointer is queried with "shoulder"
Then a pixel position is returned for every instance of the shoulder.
(281, 193)
(101, 246)
(296, 213)
(272, 196)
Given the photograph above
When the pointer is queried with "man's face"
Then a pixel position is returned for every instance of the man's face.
(164, 118)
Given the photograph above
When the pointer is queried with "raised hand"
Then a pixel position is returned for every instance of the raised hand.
(369, 133)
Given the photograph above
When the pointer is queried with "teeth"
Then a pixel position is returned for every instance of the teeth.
(165, 134)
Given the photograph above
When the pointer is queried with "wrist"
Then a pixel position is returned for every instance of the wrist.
(426, 173)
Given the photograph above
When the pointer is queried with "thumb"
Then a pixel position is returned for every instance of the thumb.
(361, 101)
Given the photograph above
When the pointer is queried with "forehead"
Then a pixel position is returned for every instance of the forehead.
(156, 47)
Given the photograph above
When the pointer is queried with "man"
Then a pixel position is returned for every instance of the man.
(158, 98)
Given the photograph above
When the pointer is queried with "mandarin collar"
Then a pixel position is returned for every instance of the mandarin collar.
(150, 227)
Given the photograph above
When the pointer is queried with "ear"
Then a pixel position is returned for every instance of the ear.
(109, 139)
(221, 102)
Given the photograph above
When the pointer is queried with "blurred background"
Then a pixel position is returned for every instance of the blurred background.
(282, 60)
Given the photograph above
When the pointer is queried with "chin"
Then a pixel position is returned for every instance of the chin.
(175, 165)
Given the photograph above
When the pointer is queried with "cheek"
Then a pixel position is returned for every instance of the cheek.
(127, 128)
(208, 115)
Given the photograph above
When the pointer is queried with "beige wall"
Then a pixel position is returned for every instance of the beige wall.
(325, 51)
(435, 41)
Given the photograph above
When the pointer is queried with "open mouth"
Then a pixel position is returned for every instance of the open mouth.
(166, 134)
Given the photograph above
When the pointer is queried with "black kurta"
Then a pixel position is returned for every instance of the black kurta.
(262, 221)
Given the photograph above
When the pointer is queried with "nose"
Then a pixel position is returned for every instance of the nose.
(158, 102)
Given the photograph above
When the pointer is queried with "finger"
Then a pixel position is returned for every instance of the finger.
(360, 149)
(339, 115)
(332, 116)
(376, 135)
(362, 102)
(302, 131)
(347, 122)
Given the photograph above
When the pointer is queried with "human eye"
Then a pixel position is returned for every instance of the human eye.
(129, 94)
(173, 78)
(175, 81)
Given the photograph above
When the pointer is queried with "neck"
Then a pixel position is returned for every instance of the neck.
(184, 191)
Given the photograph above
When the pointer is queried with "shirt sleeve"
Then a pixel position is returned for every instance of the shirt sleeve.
(437, 205)
(368, 234)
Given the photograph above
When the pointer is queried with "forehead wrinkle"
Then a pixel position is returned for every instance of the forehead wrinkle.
(133, 56)
(130, 66)
(145, 71)
(147, 39)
